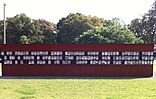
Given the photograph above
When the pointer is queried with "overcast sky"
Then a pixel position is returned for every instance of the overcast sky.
(54, 10)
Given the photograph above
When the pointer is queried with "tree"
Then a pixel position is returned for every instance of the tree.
(145, 28)
(74, 25)
(24, 40)
(22, 29)
(17, 26)
(117, 21)
(49, 31)
(1, 31)
(137, 28)
(43, 32)
(110, 34)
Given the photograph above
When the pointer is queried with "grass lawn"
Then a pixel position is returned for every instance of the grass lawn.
(107, 88)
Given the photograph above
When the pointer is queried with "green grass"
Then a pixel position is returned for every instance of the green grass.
(27, 90)
(106, 88)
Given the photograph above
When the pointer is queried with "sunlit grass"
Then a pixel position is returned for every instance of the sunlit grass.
(88, 88)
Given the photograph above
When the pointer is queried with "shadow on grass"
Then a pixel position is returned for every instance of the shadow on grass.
(69, 77)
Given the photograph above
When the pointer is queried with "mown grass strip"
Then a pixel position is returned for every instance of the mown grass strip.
(85, 88)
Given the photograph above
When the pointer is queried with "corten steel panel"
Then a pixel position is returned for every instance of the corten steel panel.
(77, 47)
(78, 70)
(83, 70)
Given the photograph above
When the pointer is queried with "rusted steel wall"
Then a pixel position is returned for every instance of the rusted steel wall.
(106, 71)
(77, 47)
(73, 69)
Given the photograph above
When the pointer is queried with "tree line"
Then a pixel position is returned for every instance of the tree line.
(77, 28)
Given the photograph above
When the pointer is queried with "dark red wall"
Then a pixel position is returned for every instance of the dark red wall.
(77, 47)
(68, 70)
(78, 70)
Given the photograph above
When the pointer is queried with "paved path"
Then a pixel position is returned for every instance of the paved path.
(154, 75)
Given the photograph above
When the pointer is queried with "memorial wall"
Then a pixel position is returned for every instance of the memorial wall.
(77, 59)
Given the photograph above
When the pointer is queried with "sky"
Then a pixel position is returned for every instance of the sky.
(54, 10)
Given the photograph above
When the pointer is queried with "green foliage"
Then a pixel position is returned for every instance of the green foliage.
(1, 31)
(24, 40)
(75, 28)
(17, 26)
(110, 33)
(74, 25)
(43, 32)
(22, 29)
(145, 28)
